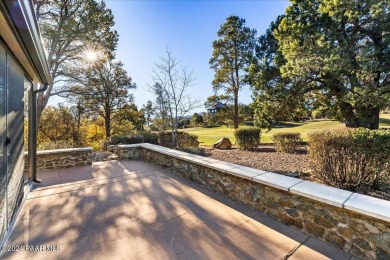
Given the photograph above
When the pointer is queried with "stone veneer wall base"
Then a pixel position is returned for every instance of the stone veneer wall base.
(62, 158)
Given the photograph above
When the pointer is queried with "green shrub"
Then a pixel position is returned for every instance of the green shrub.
(150, 137)
(183, 139)
(136, 138)
(351, 158)
(286, 142)
(247, 138)
(126, 139)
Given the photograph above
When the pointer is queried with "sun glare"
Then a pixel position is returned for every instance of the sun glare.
(91, 56)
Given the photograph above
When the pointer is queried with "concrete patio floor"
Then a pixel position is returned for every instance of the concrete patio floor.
(137, 210)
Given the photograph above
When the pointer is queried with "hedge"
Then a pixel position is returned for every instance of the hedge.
(247, 138)
(183, 139)
(286, 142)
(141, 137)
(351, 158)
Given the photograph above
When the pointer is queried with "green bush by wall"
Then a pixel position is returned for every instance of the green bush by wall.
(247, 138)
(351, 158)
(184, 139)
(286, 142)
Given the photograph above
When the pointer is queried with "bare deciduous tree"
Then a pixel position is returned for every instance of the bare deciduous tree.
(171, 82)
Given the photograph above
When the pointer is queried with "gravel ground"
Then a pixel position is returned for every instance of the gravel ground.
(265, 158)
(295, 165)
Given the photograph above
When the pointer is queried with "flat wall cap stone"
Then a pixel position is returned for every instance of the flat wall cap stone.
(370, 206)
(197, 159)
(320, 192)
(69, 150)
(245, 172)
(219, 165)
(178, 154)
(83, 149)
(276, 180)
(129, 145)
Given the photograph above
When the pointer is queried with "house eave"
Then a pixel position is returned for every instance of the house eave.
(21, 20)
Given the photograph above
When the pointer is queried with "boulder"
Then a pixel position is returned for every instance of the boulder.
(223, 143)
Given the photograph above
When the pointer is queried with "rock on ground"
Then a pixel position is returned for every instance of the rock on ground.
(223, 143)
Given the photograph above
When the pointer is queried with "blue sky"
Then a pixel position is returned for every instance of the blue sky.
(147, 28)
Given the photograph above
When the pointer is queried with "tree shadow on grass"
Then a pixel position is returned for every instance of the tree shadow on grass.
(384, 121)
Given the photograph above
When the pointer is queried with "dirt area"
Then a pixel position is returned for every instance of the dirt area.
(294, 165)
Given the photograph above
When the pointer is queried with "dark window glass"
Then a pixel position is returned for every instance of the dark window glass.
(3, 200)
(15, 132)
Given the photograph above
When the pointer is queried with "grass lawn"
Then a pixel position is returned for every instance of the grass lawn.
(208, 136)
(384, 120)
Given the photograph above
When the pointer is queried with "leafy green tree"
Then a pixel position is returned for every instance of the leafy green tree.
(105, 90)
(341, 50)
(224, 113)
(275, 97)
(57, 124)
(196, 119)
(246, 112)
(128, 115)
(148, 111)
(69, 29)
(162, 107)
(184, 123)
(232, 55)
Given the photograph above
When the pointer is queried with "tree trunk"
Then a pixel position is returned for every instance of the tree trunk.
(107, 124)
(235, 115)
(236, 89)
(107, 127)
(173, 141)
(348, 114)
(176, 126)
(367, 117)
(76, 138)
(42, 99)
(358, 115)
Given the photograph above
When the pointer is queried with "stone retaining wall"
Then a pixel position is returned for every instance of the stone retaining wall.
(62, 158)
(358, 224)
(127, 152)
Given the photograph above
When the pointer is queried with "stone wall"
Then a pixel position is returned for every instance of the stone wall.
(358, 224)
(62, 158)
(127, 152)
